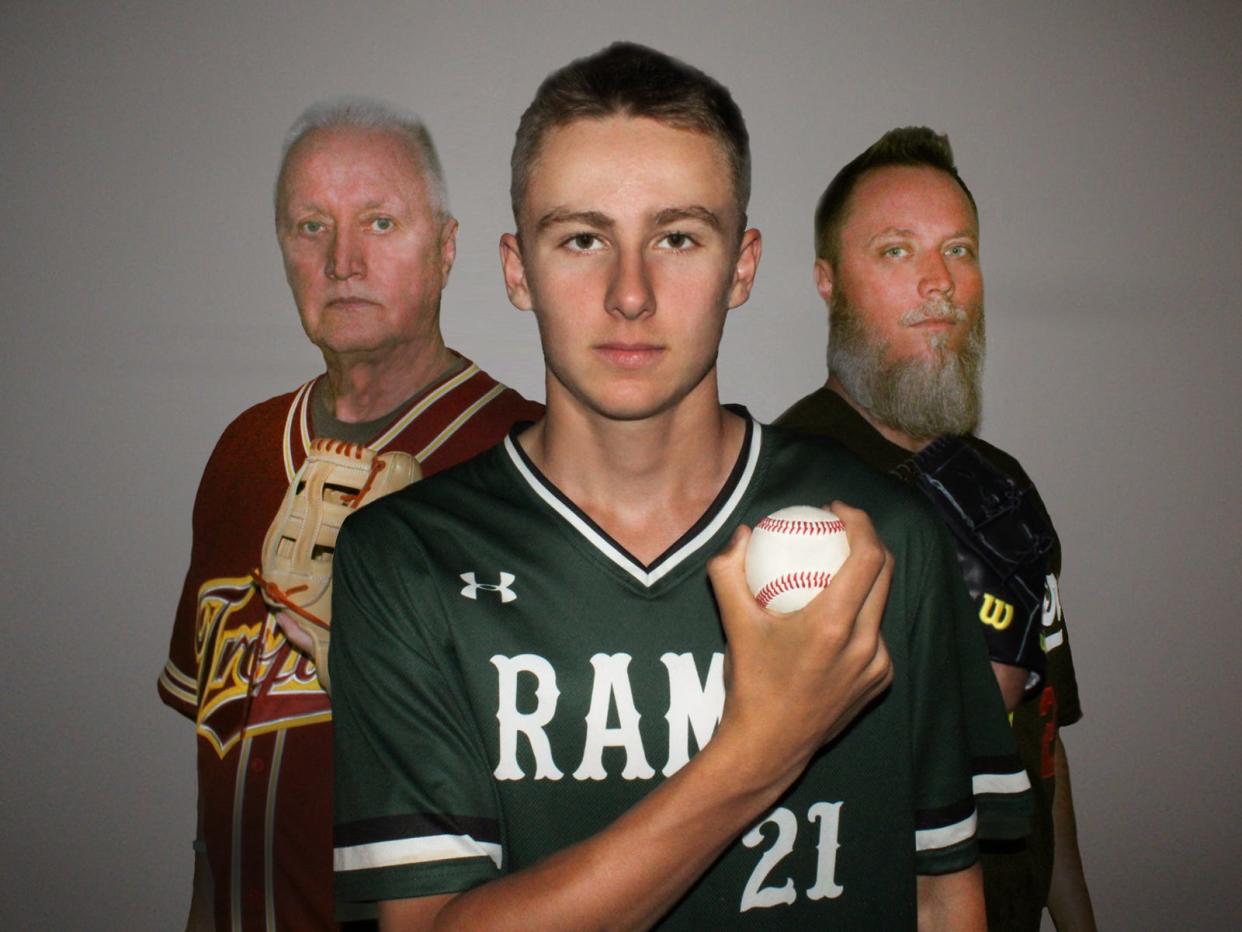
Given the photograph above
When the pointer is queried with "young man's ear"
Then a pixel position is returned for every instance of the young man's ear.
(748, 255)
(514, 270)
(823, 279)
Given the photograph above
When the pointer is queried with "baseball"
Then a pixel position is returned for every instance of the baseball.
(793, 554)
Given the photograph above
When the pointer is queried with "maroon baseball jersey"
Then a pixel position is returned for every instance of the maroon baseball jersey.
(264, 725)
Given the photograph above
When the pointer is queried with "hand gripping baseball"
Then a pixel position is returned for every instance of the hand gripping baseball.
(813, 670)
(296, 574)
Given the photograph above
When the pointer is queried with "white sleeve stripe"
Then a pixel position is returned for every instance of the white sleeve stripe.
(934, 839)
(173, 673)
(412, 851)
(1007, 784)
(178, 684)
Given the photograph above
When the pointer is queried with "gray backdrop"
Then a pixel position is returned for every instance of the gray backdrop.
(144, 306)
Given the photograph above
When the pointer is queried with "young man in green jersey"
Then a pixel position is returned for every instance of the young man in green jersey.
(547, 717)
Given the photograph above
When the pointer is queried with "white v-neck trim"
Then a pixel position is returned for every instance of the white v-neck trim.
(575, 518)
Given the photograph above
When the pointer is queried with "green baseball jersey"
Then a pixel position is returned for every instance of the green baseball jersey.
(509, 680)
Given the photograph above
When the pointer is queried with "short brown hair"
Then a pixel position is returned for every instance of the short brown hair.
(633, 80)
(909, 145)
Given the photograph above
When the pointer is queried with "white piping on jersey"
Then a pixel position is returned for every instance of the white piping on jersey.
(451, 429)
(286, 445)
(179, 685)
(287, 721)
(400, 424)
(983, 784)
(620, 557)
(302, 398)
(412, 851)
(936, 839)
(235, 845)
(269, 828)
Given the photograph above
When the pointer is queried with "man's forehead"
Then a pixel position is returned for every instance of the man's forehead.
(591, 156)
(383, 157)
(338, 139)
(907, 197)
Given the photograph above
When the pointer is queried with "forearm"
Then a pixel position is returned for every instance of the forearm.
(631, 873)
(1069, 900)
(1012, 683)
(952, 901)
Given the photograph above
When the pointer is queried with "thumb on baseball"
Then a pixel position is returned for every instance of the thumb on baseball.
(861, 584)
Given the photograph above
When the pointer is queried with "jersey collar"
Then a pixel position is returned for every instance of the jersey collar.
(703, 530)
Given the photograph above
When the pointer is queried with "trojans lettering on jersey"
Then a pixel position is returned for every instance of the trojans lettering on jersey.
(251, 680)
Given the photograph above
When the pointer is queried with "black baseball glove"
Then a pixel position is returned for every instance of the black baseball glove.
(1003, 537)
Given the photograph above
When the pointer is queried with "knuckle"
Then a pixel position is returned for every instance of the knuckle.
(880, 665)
(870, 551)
(886, 670)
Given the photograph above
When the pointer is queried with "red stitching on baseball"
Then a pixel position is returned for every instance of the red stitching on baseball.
(786, 526)
(814, 579)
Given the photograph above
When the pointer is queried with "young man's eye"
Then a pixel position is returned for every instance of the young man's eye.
(677, 240)
(382, 224)
(583, 242)
(895, 252)
(960, 251)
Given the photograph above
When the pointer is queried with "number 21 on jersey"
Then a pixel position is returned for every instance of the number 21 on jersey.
(828, 818)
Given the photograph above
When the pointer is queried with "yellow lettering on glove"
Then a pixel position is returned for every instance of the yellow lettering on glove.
(995, 613)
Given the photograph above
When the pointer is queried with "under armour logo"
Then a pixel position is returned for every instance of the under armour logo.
(473, 586)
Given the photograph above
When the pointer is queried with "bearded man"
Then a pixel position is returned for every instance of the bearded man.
(897, 262)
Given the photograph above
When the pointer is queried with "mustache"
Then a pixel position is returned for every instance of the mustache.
(937, 309)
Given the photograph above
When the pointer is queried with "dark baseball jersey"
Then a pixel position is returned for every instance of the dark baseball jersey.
(263, 723)
(509, 680)
(1016, 875)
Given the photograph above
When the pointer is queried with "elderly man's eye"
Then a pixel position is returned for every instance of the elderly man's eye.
(382, 224)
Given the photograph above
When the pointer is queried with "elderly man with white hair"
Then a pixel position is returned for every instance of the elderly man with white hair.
(368, 243)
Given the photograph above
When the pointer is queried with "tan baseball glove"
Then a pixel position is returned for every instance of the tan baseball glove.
(296, 573)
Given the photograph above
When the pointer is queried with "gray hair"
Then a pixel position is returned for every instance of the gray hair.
(369, 113)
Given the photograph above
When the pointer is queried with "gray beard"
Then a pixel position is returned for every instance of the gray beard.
(923, 398)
